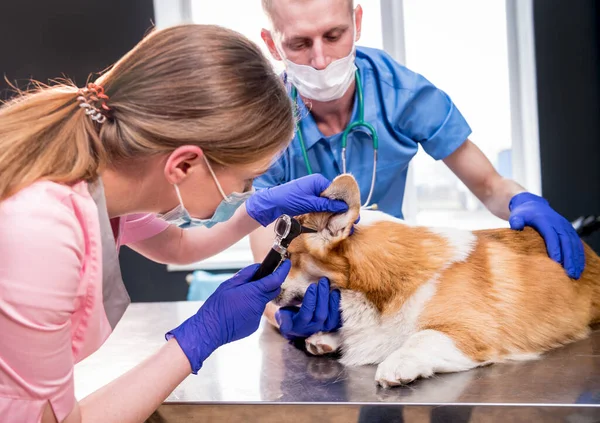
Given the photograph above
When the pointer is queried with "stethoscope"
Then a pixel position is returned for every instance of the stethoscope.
(359, 123)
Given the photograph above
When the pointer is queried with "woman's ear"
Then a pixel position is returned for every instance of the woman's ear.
(182, 162)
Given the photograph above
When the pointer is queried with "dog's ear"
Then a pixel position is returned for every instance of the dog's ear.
(334, 228)
(344, 188)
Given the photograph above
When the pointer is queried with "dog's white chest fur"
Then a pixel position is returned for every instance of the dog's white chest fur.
(395, 341)
(368, 337)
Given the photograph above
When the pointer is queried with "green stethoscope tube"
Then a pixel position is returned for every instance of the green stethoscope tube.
(359, 123)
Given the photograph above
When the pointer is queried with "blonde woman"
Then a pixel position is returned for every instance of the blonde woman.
(160, 148)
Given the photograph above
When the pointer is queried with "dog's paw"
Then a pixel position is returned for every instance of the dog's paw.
(401, 369)
(322, 343)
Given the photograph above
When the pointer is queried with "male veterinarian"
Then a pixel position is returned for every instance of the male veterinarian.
(355, 102)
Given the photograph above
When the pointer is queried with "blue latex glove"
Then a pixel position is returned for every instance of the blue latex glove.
(294, 198)
(232, 312)
(355, 222)
(320, 312)
(562, 242)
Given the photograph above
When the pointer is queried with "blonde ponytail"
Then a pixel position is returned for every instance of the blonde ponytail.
(191, 84)
(45, 134)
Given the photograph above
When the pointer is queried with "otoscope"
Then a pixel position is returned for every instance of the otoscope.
(286, 230)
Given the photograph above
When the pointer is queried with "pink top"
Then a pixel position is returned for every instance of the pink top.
(51, 309)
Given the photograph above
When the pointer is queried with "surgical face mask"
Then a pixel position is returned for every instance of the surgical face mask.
(323, 85)
(179, 216)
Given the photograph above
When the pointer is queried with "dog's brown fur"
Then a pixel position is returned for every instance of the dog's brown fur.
(506, 298)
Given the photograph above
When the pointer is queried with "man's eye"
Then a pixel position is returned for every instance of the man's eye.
(333, 38)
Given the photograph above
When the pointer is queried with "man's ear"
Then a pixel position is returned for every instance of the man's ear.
(265, 34)
(333, 228)
(358, 14)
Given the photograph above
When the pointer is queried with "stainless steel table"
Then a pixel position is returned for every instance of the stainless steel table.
(264, 372)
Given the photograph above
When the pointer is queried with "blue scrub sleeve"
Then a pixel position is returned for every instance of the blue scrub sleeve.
(273, 177)
(431, 119)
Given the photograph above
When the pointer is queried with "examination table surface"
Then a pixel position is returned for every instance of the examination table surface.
(264, 376)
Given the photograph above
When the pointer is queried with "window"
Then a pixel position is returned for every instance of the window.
(461, 47)
(480, 53)
(249, 19)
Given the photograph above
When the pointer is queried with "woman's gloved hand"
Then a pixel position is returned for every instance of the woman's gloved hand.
(294, 198)
(232, 312)
(562, 242)
(319, 312)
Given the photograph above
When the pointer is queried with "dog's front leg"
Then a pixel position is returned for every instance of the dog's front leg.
(323, 343)
(423, 354)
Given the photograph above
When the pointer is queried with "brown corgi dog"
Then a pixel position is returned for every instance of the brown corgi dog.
(417, 300)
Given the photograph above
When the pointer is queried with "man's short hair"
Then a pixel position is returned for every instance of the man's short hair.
(267, 6)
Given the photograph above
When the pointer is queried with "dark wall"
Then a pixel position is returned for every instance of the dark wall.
(567, 34)
(147, 281)
(75, 38)
(51, 39)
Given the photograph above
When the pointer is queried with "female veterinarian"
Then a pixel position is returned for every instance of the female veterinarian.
(155, 152)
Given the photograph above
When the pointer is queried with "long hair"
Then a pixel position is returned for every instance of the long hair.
(186, 85)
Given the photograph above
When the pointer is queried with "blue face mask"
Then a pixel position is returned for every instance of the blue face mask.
(179, 216)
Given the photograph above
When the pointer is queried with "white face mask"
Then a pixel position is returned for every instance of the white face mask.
(323, 85)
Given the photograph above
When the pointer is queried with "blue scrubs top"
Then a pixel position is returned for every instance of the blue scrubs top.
(404, 108)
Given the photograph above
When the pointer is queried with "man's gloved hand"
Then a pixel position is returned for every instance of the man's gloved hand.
(232, 312)
(319, 312)
(294, 198)
(562, 242)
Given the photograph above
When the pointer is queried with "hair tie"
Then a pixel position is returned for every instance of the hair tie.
(93, 100)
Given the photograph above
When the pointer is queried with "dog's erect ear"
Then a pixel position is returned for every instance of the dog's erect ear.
(344, 188)
(334, 228)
